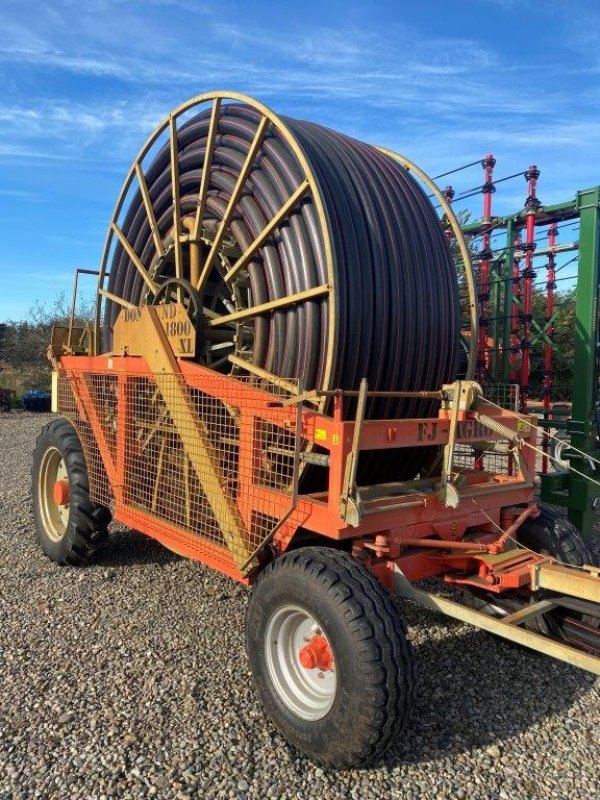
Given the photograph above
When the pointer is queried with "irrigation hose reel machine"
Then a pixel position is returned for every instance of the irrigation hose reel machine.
(270, 387)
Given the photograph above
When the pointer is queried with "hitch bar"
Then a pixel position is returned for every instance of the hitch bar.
(509, 627)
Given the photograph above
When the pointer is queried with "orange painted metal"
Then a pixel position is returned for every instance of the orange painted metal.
(62, 492)
(316, 654)
(399, 520)
(469, 569)
(512, 574)
(181, 541)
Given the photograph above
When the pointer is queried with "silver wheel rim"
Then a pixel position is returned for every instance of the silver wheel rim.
(54, 517)
(308, 693)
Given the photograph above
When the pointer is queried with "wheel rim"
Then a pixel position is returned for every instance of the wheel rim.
(55, 517)
(307, 692)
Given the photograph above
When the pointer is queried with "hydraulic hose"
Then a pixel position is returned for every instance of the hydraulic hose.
(395, 318)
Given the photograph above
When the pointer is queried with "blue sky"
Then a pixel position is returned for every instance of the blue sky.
(83, 84)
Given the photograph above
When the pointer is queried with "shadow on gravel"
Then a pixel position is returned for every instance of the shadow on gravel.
(474, 690)
(130, 547)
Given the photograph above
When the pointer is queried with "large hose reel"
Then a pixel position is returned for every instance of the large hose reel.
(300, 254)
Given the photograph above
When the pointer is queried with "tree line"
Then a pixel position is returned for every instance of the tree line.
(23, 344)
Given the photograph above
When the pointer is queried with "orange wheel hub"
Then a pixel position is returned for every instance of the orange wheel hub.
(316, 654)
(62, 492)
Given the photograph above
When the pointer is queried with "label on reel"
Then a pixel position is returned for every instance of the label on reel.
(131, 329)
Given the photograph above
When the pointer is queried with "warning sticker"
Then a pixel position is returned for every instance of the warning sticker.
(320, 434)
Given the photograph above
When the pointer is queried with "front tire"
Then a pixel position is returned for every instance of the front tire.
(71, 530)
(330, 657)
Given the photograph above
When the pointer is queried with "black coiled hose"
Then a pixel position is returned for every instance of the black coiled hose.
(395, 285)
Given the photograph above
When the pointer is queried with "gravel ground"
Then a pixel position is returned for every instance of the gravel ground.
(129, 679)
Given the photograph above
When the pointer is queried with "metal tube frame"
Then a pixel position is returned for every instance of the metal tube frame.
(572, 491)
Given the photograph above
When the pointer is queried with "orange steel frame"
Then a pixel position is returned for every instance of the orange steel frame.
(415, 531)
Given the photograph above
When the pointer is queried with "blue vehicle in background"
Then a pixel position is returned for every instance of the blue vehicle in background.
(36, 400)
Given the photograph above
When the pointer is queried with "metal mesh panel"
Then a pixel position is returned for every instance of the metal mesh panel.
(66, 399)
(216, 469)
(100, 490)
(199, 463)
(492, 457)
(505, 395)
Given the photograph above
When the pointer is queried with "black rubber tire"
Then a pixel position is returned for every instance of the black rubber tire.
(373, 658)
(553, 534)
(85, 532)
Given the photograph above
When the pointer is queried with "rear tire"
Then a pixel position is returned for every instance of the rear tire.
(67, 533)
(350, 708)
(552, 534)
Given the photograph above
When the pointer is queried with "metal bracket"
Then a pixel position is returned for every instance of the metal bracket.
(580, 582)
(350, 504)
(464, 395)
(79, 271)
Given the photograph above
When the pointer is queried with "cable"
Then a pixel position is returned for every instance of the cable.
(566, 264)
(587, 456)
(458, 169)
(513, 539)
(496, 180)
(472, 193)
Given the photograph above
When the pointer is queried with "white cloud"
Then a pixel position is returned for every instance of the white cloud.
(442, 100)
(23, 194)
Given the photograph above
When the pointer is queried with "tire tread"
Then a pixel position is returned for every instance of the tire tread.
(383, 653)
(86, 530)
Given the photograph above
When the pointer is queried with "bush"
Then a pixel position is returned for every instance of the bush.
(23, 344)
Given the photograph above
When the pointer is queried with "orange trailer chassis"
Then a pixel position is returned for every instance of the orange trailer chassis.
(405, 524)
